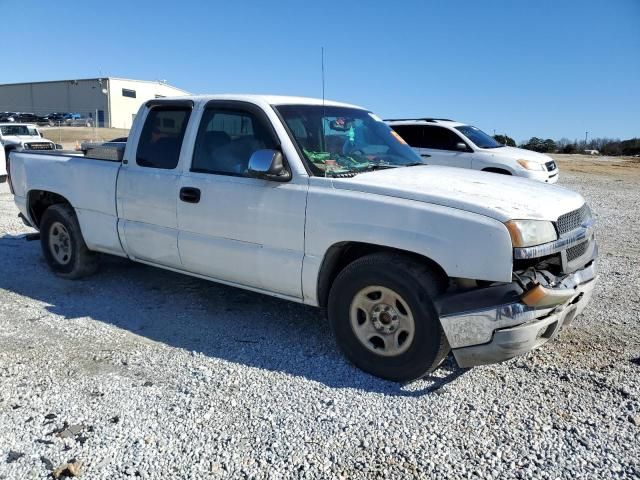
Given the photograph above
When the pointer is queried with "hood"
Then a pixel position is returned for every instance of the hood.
(20, 139)
(519, 153)
(501, 197)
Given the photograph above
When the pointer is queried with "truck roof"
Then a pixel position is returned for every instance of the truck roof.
(18, 124)
(269, 99)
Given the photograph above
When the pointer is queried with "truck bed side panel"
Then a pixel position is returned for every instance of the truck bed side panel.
(88, 184)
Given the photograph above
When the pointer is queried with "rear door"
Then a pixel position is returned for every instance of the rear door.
(233, 227)
(147, 187)
(440, 147)
(412, 134)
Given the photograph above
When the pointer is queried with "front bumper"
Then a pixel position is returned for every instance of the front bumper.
(542, 175)
(497, 333)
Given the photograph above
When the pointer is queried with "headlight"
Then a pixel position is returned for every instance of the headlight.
(531, 165)
(527, 233)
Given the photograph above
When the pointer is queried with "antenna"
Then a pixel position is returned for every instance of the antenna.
(322, 62)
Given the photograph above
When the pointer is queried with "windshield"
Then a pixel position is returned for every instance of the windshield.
(477, 136)
(339, 141)
(15, 130)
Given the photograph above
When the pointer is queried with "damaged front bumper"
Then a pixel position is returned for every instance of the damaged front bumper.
(496, 323)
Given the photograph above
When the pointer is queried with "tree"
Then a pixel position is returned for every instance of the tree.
(505, 140)
(549, 146)
(631, 146)
(539, 145)
(563, 143)
(534, 144)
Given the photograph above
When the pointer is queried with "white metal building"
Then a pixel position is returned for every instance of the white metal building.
(113, 101)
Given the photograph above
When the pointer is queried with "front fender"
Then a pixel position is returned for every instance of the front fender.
(463, 244)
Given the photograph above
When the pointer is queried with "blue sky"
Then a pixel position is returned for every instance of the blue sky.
(545, 68)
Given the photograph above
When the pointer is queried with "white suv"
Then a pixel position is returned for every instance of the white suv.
(445, 142)
(3, 171)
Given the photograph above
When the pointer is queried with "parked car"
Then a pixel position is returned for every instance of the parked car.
(22, 136)
(321, 203)
(23, 117)
(455, 144)
(3, 165)
(8, 116)
(77, 120)
(55, 118)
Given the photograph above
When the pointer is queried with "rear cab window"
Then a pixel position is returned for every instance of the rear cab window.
(162, 136)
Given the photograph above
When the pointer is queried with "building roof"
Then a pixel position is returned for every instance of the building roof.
(158, 82)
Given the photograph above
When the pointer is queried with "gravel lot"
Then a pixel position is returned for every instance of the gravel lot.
(141, 372)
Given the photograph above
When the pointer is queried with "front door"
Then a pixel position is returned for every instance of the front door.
(232, 227)
(148, 185)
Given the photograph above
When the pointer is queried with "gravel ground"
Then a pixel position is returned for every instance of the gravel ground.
(141, 372)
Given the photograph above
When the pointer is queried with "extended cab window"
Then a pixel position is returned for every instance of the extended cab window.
(439, 138)
(161, 138)
(227, 139)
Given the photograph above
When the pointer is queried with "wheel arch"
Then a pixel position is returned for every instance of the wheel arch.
(500, 170)
(341, 254)
(39, 200)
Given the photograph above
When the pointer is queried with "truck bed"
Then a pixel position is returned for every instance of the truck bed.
(89, 184)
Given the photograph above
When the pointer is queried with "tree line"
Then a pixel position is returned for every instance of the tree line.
(606, 146)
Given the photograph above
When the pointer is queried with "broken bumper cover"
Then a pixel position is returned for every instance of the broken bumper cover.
(498, 333)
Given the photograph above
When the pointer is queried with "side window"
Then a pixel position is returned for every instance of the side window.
(440, 138)
(161, 138)
(410, 134)
(227, 139)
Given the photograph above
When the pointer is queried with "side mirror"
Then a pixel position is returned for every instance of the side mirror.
(269, 165)
(461, 146)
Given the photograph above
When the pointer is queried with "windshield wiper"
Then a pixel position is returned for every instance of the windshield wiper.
(381, 166)
(386, 166)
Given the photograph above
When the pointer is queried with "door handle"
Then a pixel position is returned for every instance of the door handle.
(190, 194)
(425, 155)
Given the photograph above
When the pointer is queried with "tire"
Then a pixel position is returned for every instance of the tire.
(415, 285)
(59, 227)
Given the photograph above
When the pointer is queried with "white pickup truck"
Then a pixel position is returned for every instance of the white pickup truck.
(23, 136)
(322, 203)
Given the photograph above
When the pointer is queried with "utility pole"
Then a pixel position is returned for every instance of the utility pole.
(586, 134)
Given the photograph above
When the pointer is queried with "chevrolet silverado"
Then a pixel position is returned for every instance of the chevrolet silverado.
(322, 203)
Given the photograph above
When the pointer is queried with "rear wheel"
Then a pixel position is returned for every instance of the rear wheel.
(381, 311)
(63, 245)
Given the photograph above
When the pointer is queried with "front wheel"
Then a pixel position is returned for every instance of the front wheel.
(63, 245)
(381, 311)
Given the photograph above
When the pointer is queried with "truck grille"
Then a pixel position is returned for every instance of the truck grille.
(576, 251)
(572, 220)
(39, 146)
(550, 165)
